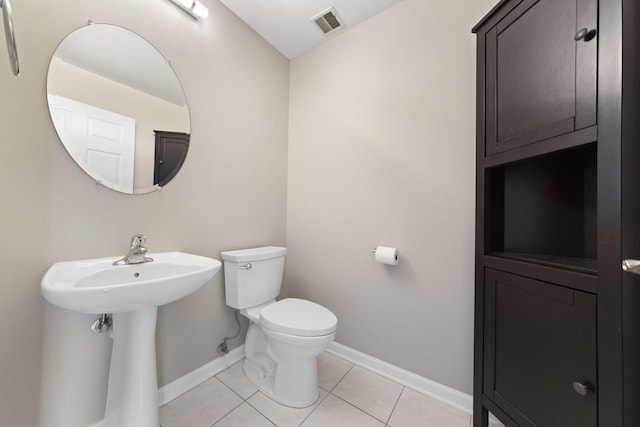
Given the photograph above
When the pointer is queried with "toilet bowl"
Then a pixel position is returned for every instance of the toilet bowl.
(284, 337)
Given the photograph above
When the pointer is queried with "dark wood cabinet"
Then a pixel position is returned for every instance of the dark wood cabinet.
(557, 320)
(540, 83)
(540, 340)
(544, 209)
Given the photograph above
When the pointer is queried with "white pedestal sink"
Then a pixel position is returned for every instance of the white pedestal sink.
(132, 293)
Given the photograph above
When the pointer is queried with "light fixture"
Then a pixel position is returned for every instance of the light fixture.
(193, 8)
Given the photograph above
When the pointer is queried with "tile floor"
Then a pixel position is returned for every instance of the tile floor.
(350, 396)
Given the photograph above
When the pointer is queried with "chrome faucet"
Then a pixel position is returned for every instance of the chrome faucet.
(137, 252)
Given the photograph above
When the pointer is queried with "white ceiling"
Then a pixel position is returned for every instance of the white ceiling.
(287, 25)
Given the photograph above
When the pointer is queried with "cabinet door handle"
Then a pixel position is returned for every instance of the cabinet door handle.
(631, 266)
(585, 34)
(580, 388)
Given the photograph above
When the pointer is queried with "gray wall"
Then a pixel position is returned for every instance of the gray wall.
(381, 152)
(231, 193)
(380, 129)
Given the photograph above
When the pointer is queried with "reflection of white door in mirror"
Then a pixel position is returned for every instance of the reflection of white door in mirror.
(100, 141)
(112, 68)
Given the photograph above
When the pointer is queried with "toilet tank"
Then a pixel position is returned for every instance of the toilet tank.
(253, 276)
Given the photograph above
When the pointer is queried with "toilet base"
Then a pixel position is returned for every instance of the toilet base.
(265, 383)
(284, 367)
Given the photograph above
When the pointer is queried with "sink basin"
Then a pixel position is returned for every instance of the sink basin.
(132, 293)
(97, 286)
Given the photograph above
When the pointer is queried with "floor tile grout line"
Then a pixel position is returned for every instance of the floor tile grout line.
(225, 415)
(181, 395)
(329, 392)
(231, 388)
(258, 410)
(371, 415)
(234, 392)
(252, 394)
(317, 404)
(359, 409)
(341, 378)
(263, 415)
(394, 406)
(314, 409)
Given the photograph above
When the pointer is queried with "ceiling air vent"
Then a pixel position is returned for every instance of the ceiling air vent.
(328, 21)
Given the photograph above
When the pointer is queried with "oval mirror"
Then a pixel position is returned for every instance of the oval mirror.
(118, 108)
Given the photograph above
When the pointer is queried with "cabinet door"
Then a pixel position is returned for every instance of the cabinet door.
(540, 339)
(171, 150)
(541, 82)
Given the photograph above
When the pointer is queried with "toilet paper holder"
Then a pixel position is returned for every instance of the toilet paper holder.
(386, 255)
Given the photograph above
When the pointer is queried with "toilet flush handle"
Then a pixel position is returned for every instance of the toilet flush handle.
(246, 266)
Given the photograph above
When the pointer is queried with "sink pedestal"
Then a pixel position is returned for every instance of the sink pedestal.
(133, 294)
(132, 395)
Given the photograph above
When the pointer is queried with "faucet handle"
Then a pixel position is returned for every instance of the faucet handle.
(138, 241)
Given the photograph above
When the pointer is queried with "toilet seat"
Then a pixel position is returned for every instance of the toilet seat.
(298, 317)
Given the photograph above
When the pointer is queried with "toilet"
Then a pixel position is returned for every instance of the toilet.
(285, 337)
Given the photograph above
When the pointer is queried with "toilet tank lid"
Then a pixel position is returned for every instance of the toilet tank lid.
(254, 254)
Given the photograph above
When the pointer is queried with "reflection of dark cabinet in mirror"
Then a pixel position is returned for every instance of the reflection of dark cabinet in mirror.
(144, 94)
(171, 150)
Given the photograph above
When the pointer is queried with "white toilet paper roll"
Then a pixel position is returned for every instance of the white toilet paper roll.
(386, 255)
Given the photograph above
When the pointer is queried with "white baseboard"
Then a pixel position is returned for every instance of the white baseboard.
(443, 393)
(175, 388)
(170, 391)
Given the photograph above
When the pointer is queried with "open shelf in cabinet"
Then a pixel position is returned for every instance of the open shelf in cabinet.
(579, 265)
(543, 210)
